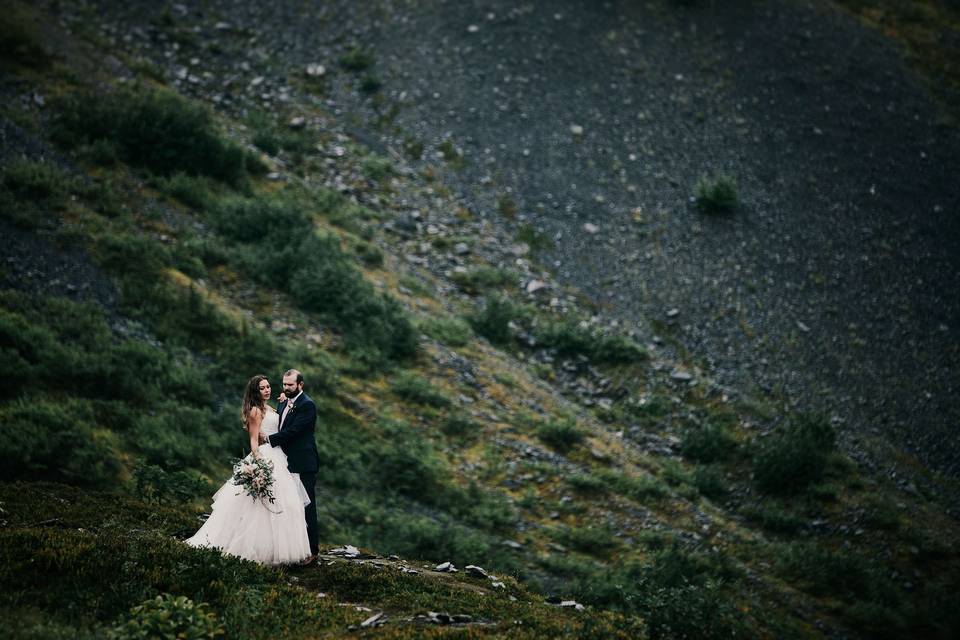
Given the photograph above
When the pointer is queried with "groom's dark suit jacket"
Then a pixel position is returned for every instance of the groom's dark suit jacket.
(296, 435)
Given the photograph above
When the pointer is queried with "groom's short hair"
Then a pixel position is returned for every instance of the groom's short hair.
(294, 372)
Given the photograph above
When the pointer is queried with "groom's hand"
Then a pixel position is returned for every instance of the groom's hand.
(282, 397)
(262, 438)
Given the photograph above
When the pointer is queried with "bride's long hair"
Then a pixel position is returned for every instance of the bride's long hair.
(251, 398)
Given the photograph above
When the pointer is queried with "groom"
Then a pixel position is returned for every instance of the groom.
(298, 418)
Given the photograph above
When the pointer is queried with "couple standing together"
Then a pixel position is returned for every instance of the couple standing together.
(285, 530)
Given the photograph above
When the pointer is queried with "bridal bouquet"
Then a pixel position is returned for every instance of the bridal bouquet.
(255, 476)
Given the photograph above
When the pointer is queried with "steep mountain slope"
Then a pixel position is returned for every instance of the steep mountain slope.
(473, 410)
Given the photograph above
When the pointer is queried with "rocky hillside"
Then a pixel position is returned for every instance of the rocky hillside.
(191, 196)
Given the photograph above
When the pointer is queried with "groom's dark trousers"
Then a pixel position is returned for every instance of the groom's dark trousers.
(298, 421)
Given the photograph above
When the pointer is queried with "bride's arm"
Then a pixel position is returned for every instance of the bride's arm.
(254, 419)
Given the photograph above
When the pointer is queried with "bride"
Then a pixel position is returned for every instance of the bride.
(269, 533)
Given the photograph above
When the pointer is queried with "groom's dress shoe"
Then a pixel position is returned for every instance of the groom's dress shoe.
(309, 560)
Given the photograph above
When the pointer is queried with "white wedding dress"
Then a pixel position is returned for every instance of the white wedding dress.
(265, 532)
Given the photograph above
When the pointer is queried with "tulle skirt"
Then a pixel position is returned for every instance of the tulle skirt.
(265, 532)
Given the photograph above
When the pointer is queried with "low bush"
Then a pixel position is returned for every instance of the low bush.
(638, 488)
(587, 483)
(707, 443)
(377, 168)
(461, 426)
(795, 458)
(844, 574)
(283, 249)
(775, 518)
(154, 129)
(710, 481)
(493, 320)
(58, 440)
(480, 279)
(452, 332)
(167, 616)
(562, 435)
(591, 539)
(717, 195)
(419, 390)
(571, 339)
(357, 59)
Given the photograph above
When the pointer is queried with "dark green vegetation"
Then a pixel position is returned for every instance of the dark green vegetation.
(662, 508)
(718, 194)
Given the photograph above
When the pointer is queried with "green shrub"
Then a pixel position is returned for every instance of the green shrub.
(406, 464)
(270, 137)
(710, 481)
(493, 320)
(154, 484)
(458, 425)
(775, 518)
(370, 255)
(537, 241)
(637, 488)
(452, 332)
(570, 339)
(38, 181)
(562, 435)
(717, 195)
(321, 277)
(707, 443)
(377, 168)
(594, 540)
(843, 574)
(167, 616)
(154, 129)
(357, 59)
(193, 191)
(587, 483)
(795, 458)
(370, 83)
(20, 40)
(482, 278)
(58, 440)
(419, 390)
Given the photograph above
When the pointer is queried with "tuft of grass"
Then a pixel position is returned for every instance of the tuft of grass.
(717, 194)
